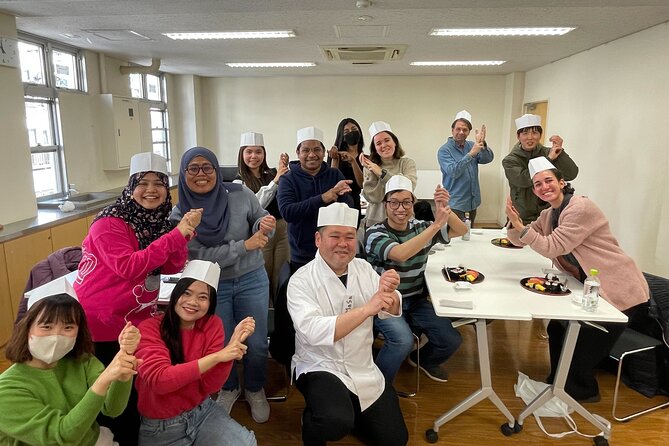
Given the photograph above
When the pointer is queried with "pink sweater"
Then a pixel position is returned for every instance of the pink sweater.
(165, 390)
(584, 231)
(110, 282)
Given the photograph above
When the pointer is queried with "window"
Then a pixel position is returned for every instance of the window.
(65, 69)
(41, 86)
(159, 132)
(44, 150)
(153, 88)
(32, 63)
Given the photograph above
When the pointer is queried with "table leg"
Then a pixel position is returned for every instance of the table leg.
(486, 391)
(557, 389)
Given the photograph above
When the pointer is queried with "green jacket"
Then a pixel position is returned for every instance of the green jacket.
(56, 406)
(515, 168)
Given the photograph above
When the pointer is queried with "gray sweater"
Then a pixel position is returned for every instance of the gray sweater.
(233, 258)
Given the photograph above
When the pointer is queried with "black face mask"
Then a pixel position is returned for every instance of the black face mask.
(352, 138)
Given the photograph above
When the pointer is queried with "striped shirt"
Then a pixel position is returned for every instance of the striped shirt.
(380, 239)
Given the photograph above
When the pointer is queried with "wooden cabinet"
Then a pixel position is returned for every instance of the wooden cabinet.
(69, 234)
(6, 309)
(121, 133)
(21, 255)
(89, 221)
(174, 194)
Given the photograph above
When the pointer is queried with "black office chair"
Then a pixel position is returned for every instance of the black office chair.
(631, 342)
(645, 336)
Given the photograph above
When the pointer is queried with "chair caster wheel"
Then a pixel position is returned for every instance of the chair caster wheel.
(601, 441)
(431, 436)
(508, 430)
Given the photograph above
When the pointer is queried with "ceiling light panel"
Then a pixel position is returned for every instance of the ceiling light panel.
(458, 63)
(271, 65)
(281, 34)
(499, 32)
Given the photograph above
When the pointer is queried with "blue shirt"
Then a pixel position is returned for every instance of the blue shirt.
(460, 173)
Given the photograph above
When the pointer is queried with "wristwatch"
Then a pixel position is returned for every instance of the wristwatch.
(384, 172)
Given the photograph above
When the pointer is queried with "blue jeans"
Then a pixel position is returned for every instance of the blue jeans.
(238, 298)
(417, 316)
(204, 425)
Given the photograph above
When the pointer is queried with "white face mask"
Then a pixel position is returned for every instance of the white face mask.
(50, 349)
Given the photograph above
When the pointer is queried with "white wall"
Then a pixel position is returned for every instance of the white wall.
(420, 110)
(15, 168)
(611, 106)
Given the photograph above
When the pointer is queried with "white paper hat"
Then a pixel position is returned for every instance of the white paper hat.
(539, 164)
(251, 139)
(57, 286)
(308, 133)
(338, 214)
(399, 182)
(378, 127)
(528, 120)
(147, 162)
(204, 271)
(463, 114)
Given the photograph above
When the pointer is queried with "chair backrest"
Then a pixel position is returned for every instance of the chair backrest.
(282, 339)
(57, 264)
(659, 303)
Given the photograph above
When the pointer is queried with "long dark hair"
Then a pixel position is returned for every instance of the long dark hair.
(374, 155)
(567, 189)
(250, 180)
(170, 327)
(340, 142)
(58, 308)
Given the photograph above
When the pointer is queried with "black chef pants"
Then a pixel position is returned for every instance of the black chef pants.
(332, 412)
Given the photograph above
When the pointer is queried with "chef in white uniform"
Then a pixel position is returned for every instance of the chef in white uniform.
(333, 300)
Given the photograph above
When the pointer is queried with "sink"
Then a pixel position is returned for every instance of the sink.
(81, 201)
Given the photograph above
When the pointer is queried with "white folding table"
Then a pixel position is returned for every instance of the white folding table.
(500, 296)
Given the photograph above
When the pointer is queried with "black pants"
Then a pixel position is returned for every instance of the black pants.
(126, 426)
(333, 412)
(592, 346)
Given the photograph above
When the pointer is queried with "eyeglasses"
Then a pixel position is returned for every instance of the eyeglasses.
(315, 150)
(194, 169)
(394, 204)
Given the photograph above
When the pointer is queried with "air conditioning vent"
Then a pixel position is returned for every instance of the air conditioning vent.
(363, 54)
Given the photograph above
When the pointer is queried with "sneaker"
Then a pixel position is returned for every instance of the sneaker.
(227, 398)
(259, 405)
(435, 373)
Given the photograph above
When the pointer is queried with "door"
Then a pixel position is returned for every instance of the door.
(541, 109)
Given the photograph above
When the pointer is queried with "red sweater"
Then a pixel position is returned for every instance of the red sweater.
(112, 271)
(165, 390)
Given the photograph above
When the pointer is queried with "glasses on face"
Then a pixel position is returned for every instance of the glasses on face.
(316, 150)
(194, 169)
(394, 204)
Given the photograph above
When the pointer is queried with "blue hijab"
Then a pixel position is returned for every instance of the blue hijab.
(215, 217)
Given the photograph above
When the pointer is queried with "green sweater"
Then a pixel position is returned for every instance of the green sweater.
(517, 172)
(56, 406)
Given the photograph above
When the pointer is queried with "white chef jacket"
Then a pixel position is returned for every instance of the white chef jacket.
(316, 296)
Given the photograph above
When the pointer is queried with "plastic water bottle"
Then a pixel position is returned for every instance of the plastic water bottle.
(467, 235)
(591, 291)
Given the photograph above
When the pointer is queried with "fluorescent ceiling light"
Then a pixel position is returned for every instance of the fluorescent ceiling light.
(457, 63)
(540, 31)
(232, 35)
(271, 65)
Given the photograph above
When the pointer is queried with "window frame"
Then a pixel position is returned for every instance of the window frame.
(155, 105)
(47, 93)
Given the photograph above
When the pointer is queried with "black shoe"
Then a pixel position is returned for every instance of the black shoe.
(591, 399)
